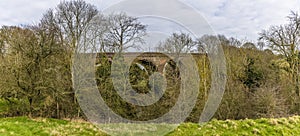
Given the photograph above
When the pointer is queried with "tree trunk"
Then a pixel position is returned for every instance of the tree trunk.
(30, 107)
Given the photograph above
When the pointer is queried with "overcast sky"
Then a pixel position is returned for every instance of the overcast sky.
(233, 18)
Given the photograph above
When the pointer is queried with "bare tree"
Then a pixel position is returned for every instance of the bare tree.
(285, 39)
(223, 40)
(260, 45)
(92, 38)
(177, 43)
(124, 32)
(208, 44)
(69, 19)
(234, 42)
(249, 45)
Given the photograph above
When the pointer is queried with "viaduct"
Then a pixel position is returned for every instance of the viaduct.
(145, 59)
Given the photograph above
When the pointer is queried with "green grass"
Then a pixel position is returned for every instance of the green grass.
(24, 126)
(138, 129)
(282, 126)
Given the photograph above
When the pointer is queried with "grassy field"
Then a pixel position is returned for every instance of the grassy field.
(25, 126)
(282, 126)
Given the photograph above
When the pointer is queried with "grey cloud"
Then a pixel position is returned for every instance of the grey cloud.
(245, 18)
(237, 18)
(18, 12)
